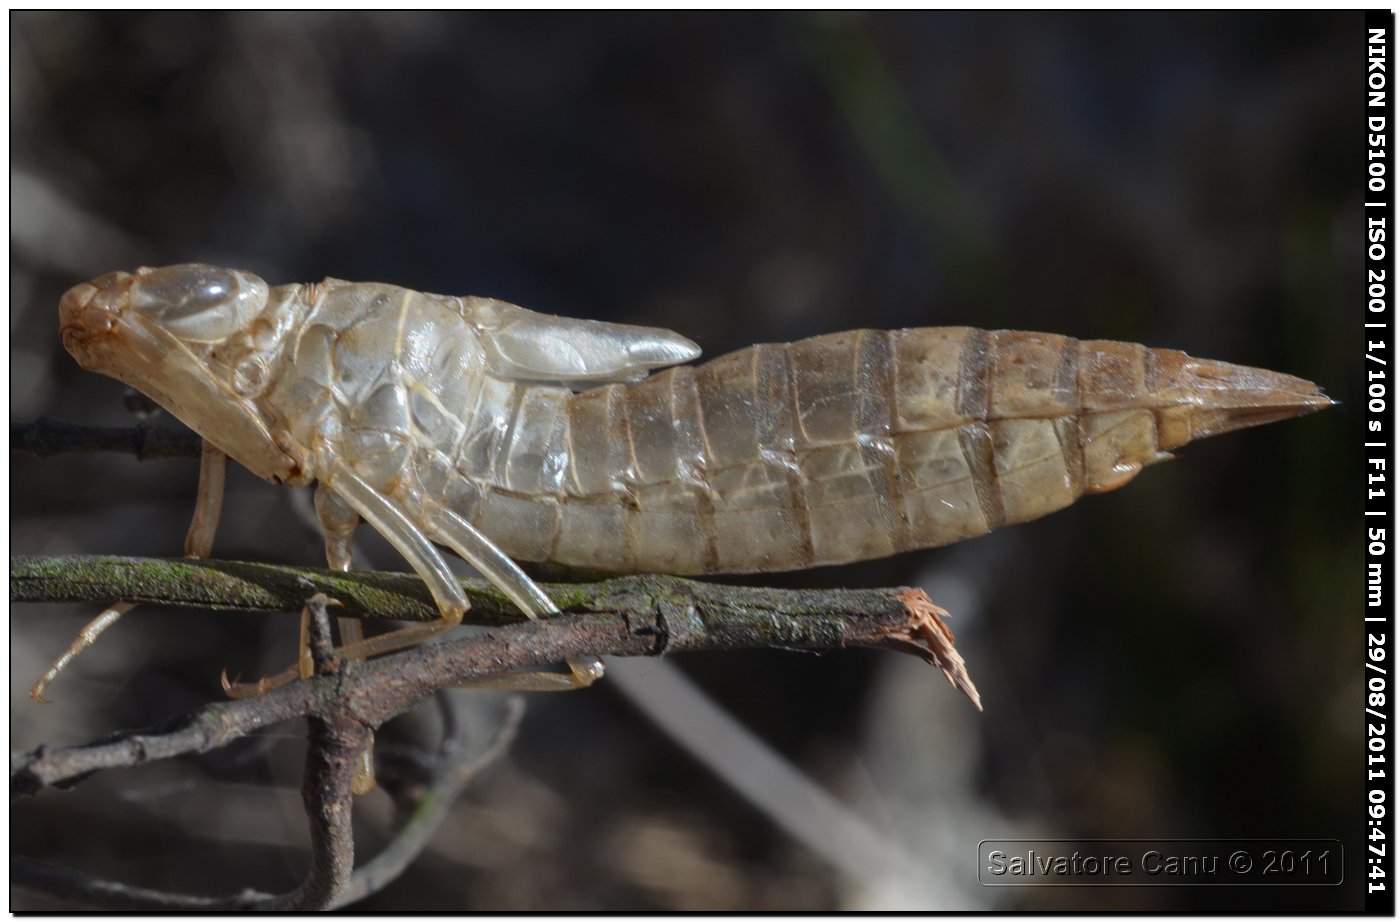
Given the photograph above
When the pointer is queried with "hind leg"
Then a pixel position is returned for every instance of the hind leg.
(476, 549)
(455, 532)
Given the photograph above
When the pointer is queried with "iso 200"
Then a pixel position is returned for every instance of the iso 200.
(1291, 862)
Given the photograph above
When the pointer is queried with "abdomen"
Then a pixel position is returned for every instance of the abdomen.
(852, 446)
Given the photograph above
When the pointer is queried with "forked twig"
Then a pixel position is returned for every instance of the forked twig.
(634, 616)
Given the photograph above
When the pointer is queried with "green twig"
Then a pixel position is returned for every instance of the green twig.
(744, 616)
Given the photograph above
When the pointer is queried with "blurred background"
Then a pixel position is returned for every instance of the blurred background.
(1178, 659)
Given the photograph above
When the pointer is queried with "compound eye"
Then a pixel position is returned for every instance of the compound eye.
(197, 301)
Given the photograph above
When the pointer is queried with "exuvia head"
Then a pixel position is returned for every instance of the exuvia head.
(197, 339)
(196, 302)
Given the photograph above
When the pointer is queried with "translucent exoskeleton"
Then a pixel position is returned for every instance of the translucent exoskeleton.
(506, 435)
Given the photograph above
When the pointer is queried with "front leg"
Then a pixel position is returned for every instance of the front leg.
(199, 541)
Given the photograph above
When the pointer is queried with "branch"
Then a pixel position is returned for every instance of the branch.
(644, 616)
(456, 769)
(47, 436)
(228, 585)
(731, 616)
(344, 702)
(336, 746)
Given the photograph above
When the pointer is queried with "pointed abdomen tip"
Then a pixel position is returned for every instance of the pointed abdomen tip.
(1221, 397)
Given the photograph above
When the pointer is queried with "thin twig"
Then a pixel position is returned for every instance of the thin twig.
(332, 758)
(319, 635)
(456, 770)
(47, 436)
(335, 747)
(228, 585)
(94, 892)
